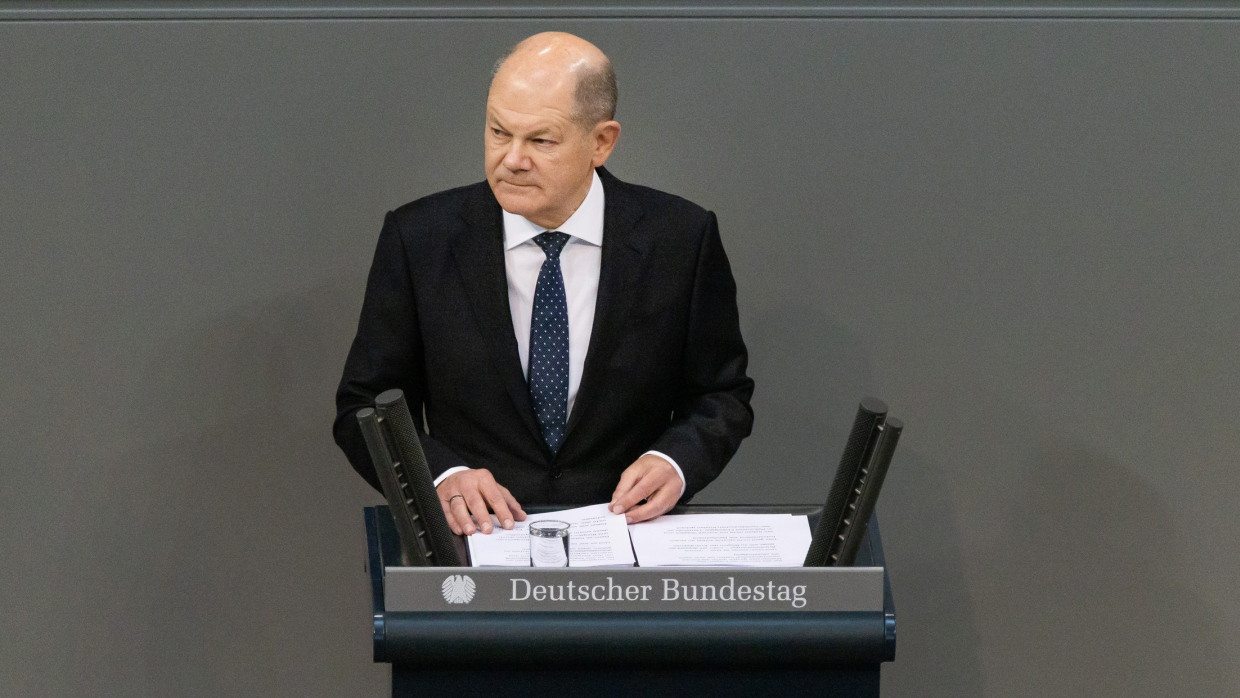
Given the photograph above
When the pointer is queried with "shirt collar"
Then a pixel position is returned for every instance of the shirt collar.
(586, 223)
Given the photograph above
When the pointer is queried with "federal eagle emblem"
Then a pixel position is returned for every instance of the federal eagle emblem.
(458, 588)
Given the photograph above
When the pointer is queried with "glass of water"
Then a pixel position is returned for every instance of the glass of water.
(549, 543)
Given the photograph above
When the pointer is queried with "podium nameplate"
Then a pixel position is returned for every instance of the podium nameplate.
(657, 589)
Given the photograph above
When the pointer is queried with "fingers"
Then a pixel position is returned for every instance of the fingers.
(501, 501)
(447, 514)
(513, 506)
(478, 510)
(623, 497)
(460, 514)
(648, 488)
(656, 505)
(470, 496)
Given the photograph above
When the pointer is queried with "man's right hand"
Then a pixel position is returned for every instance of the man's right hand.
(476, 492)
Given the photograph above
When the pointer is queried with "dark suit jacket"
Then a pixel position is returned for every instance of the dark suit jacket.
(665, 369)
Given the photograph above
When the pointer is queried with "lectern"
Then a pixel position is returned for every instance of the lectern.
(459, 631)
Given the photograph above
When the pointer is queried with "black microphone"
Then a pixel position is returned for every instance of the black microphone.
(415, 541)
(413, 496)
(861, 505)
(857, 452)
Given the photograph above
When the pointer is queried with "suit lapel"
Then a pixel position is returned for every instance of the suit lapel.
(479, 256)
(625, 246)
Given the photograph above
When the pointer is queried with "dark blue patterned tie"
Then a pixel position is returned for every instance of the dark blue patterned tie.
(548, 370)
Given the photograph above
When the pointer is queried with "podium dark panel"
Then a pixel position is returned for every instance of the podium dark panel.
(649, 683)
(672, 653)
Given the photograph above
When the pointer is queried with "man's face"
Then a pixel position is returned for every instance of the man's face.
(539, 161)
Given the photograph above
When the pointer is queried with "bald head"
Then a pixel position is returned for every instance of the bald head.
(549, 126)
(557, 60)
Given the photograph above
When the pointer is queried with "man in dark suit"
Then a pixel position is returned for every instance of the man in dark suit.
(571, 338)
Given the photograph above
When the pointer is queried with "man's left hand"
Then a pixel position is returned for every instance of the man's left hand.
(648, 488)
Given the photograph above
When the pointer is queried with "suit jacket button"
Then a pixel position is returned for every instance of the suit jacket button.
(557, 473)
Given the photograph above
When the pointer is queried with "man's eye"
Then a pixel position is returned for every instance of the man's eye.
(543, 141)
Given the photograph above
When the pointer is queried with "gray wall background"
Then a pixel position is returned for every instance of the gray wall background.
(1015, 226)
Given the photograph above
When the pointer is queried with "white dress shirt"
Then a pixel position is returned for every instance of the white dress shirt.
(580, 262)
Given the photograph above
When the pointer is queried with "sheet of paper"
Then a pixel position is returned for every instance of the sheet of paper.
(722, 540)
(596, 538)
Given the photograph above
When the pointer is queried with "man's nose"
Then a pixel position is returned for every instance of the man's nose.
(514, 158)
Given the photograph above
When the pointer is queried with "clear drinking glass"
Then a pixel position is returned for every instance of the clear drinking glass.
(549, 543)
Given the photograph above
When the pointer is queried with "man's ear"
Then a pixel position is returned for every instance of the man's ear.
(605, 135)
